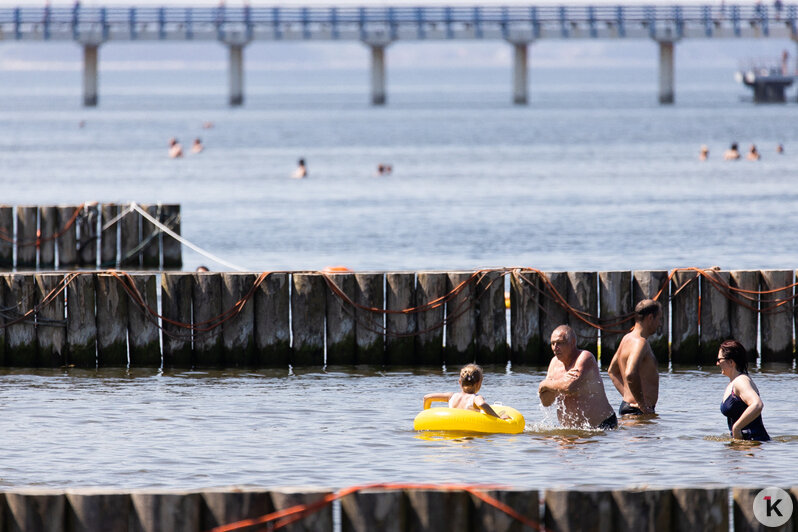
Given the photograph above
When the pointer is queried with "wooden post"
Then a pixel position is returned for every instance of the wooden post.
(615, 306)
(50, 322)
(272, 331)
(40, 510)
(646, 285)
(439, 510)
(583, 296)
(369, 327)
(776, 323)
(144, 337)
(429, 342)
(743, 315)
(370, 510)
(307, 311)
(341, 345)
(491, 323)
(705, 509)
(554, 314)
(743, 511)
(4, 304)
(224, 506)
(172, 251)
(129, 239)
(565, 510)
(109, 236)
(6, 237)
(27, 239)
(67, 242)
(48, 219)
(207, 304)
(170, 511)
(400, 289)
(287, 497)
(87, 227)
(487, 517)
(92, 510)
(176, 289)
(112, 320)
(238, 338)
(525, 300)
(151, 254)
(20, 293)
(638, 510)
(715, 322)
(81, 322)
(461, 320)
(684, 305)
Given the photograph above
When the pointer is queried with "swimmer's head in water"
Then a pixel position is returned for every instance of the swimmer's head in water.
(470, 377)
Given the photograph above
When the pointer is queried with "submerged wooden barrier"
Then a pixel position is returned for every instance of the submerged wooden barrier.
(67, 237)
(394, 509)
(398, 318)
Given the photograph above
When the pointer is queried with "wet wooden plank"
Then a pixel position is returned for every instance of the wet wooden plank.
(7, 237)
(743, 314)
(684, 306)
(705, 509)
(491, 319)
(97, 510)
(165, 512)
(51, 321)
(48, 221)
(777, 344)
(371, 510)
(308, 302)
(207, 304)
(238, 333)
(20, 296)
(461, 320)
(488, 517)
(642, 510)
(525, 319)
(88, 235)
(109, 236)
(272, 331)
(81, 322)
(439, 510)
(129, 239)
(369, 325)
(615, 307)
(144, 336)
(41, 510)
(322, 520)
(171, 248)
(400, 292)
(176, 290)
(554, 289)
(565, 510)
(112, 321)
(715, 319)
(430, 287)
(27, 238)
(583, 297)
(151, 254)
(67, 241)
(341, 345)
(646, 285)
(224, 506)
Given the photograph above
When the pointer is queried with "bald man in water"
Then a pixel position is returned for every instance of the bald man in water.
(633, 369)
(573, 378)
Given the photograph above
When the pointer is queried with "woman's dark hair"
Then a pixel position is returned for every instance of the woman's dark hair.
(734, 351)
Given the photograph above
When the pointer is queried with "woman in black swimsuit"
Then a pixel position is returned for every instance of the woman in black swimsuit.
(741, 404)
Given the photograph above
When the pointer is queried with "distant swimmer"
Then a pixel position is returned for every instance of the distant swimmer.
(733, 153)
(780, 149)
(301, 170)
(207, 125)
(197, 147)
(175, 149)
(704, 155)
(753, 154)
(202, 269)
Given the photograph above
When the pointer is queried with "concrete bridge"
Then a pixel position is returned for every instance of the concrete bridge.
(378, 27)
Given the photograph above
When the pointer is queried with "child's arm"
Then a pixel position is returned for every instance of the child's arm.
(485, 407)
(430, 397)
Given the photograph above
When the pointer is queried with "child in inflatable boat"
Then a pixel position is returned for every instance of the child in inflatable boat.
(466, 399)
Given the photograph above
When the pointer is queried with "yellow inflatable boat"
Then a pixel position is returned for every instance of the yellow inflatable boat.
(457, 419)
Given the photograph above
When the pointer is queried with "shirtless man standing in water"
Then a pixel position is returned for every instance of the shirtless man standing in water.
(633, 369)
(574, 378)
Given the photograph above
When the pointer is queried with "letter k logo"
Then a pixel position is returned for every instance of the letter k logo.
(773, 506)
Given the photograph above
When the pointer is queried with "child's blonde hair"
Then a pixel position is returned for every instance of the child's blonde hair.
(470, 376)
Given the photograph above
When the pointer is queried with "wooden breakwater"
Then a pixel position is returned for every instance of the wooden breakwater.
(89, 236)
(431, 508)
(91, 319)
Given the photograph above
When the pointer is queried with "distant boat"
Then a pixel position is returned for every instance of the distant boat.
(768, 79)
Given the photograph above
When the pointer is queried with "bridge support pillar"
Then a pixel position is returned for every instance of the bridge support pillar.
(90, 74)
(236, 74)
(520, 73)
(666, 77)
(377, 74)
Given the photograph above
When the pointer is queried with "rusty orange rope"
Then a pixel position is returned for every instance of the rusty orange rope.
(4, 236)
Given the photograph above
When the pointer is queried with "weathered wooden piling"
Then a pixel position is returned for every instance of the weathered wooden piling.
(172, 256)
(283, 498)
(48, 220)
(6, 237)
(20, 295)
(224, 506)
(112, 321)
(582, 296)
(27, 236)
(108, 235)
(4, 309)
(705, 509)
(439, 510)
(491, 319)
(67, 242)
(144, 338)
(684, 305)
(565, 510)
(341, 345)
(646, 285)
(743, 314)
(238, 332)
(91, 510)
(642, 510)
(88, 235)
(615, 308)
(369, 326)
(400, 294)
(165, 512)
(207, 303)
(743, 513)
(81, 322)
(461, 322)
(40, 510)
(151, 238)
(430, 287)
(553, 312)
(176, 289)
(776, 318)
(525, 304)
(488, 517)
(272, 331)
(50, 321)
(370, 510)
(307, 324)
(715, 319)
(129, 240)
